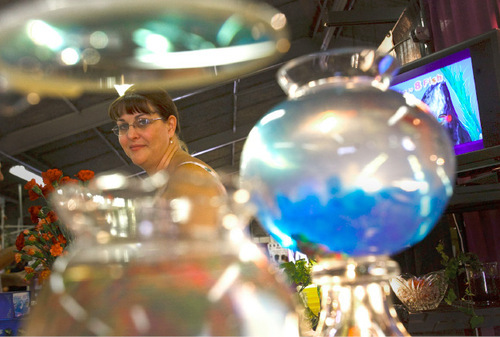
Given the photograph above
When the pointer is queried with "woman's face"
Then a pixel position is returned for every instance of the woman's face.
(148, 146)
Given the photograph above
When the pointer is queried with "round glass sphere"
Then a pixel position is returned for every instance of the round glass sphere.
(345, 164)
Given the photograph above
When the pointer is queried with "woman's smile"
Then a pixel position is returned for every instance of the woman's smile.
(136, 147)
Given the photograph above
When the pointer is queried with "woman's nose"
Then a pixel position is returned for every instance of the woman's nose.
(132, 132)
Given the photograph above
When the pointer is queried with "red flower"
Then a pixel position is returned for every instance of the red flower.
(34, 211)
(67, 180)
(30, 184)
(47, 189)
(20, 241)
(46, 235)
(85, 175)
(51, 176)
(33, 195)
(51, 217)
(56, 249)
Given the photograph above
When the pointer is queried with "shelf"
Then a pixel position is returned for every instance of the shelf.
(447, 320)
(474, 198)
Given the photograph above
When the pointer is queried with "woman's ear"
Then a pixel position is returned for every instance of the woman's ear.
(172, 125)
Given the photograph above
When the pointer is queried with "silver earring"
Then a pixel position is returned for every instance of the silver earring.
(171, 141)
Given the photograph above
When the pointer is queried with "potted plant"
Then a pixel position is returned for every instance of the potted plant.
(455, 274)
(298, 274)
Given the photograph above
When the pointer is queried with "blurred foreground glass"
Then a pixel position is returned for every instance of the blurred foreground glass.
(144, 265)
(348, 172)
(68, 47)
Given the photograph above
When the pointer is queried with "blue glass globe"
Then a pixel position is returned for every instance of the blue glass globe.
(344, 164)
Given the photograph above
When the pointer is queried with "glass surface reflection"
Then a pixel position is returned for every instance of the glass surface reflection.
(140, 266)
(70, 46)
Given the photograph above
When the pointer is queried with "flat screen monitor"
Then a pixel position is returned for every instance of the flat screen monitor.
(461, 88)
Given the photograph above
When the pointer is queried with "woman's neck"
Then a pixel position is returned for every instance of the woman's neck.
(173, 149)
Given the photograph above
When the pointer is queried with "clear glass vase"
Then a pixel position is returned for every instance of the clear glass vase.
(144, 265)
(346, 167)
(356, 297)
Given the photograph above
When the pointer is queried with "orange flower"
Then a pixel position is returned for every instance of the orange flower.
(61, 239)
(45, 236)
(85, 175)
(52, 175)
(29, 270)
(31, 251)
(44, 275)
(34, 211)
(32, 238)
(56, 250)
(39, 225)
(17, 257)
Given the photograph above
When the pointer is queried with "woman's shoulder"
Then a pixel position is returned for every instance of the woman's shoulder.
(195, 165)
(184, 162)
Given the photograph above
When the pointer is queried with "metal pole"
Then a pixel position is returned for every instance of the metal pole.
(20, 220)
(2, 220)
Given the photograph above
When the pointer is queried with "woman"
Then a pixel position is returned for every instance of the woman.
(148, 130)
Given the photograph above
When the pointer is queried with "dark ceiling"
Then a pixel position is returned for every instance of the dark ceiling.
(75, 133)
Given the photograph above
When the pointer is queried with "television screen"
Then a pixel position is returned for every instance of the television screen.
(448, 87)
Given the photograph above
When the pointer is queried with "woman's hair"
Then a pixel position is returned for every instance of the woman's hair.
(149, 102)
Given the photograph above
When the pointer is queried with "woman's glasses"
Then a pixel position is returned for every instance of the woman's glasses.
(140, 123)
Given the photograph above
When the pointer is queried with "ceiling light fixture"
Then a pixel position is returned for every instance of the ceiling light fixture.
(121, 88)
(21, 172)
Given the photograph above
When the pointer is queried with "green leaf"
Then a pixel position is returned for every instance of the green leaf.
(451, 296)
(25, 257)
(476, 321)
(37, 190)
(466, 310)
(298, 273)
(36, 264)
(50, 229)
(44, 211)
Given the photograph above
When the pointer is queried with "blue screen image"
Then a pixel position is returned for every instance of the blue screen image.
(449, 91)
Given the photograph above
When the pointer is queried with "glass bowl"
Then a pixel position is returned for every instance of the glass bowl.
(422, 292)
